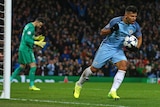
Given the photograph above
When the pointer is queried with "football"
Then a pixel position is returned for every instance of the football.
(130, 41)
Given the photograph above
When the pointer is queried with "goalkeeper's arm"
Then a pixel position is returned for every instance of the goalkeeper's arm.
(40, 43)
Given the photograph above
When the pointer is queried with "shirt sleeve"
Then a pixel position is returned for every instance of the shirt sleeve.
(29, 36)
(112, 22)
(138, 32)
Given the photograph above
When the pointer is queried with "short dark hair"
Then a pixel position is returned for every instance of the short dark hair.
(131, 8)
(40, 19)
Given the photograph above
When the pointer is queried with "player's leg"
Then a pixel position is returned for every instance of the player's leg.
(84, 77)
(16, 71)
(122, 66)
(32, 72)
(116, 84)
(32, 77)
(22, 61)
(99, 60)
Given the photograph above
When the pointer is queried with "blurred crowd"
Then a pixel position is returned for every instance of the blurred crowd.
(72, 33)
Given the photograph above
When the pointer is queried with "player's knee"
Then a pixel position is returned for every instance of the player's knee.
(93, 69)
(123, 68)
(22, 66)
(122, 65)
(33, 65)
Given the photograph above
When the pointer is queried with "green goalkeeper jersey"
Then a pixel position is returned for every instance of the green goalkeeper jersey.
(27, 39)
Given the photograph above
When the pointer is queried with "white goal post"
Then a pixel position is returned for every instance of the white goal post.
(7, 49)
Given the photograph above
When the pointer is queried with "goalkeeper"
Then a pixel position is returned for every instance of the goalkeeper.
(25, 54)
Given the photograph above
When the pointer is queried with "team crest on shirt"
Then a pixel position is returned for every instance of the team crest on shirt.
(130, 32)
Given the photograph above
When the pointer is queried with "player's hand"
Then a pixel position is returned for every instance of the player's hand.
(114, 28)
(40, 43)
(133, 48)
(39, 37)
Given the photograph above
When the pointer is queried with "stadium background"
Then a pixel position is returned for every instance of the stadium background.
(72, 34)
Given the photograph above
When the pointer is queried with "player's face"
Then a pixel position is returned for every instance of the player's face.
(39, 24)
(131, 17)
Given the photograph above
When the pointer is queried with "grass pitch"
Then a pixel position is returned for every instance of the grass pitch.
(93, 95)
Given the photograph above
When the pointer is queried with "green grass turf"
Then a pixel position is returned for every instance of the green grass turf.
(93, 95)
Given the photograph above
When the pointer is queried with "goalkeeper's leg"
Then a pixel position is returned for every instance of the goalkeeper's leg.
(32, 77)
(16, 72)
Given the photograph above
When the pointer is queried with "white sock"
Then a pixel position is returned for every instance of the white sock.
(85, 76)
(118, 80)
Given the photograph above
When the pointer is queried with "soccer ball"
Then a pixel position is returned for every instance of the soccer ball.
(130, 41)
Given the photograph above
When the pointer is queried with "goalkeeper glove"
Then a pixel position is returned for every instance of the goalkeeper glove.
(114, 28)
(133, 48)
(40, 43)
(40, 37)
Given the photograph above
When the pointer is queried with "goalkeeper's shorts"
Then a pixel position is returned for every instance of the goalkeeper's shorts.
(26, 57)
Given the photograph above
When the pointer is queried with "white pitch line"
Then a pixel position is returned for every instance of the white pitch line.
(63, 102)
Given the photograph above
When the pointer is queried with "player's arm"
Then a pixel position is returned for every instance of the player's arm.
(28, 37)
(138, 35)
(110, 28)
(105, 31)
(30, 40)
(139, 41)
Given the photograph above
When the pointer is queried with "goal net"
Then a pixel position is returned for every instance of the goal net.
(5, 48)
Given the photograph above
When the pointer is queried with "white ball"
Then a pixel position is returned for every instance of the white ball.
(130, 40)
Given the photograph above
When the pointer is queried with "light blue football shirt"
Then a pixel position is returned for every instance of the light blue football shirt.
(111, 47)
(116, 38)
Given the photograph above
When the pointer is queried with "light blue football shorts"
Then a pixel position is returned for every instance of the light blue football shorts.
(106, 53)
